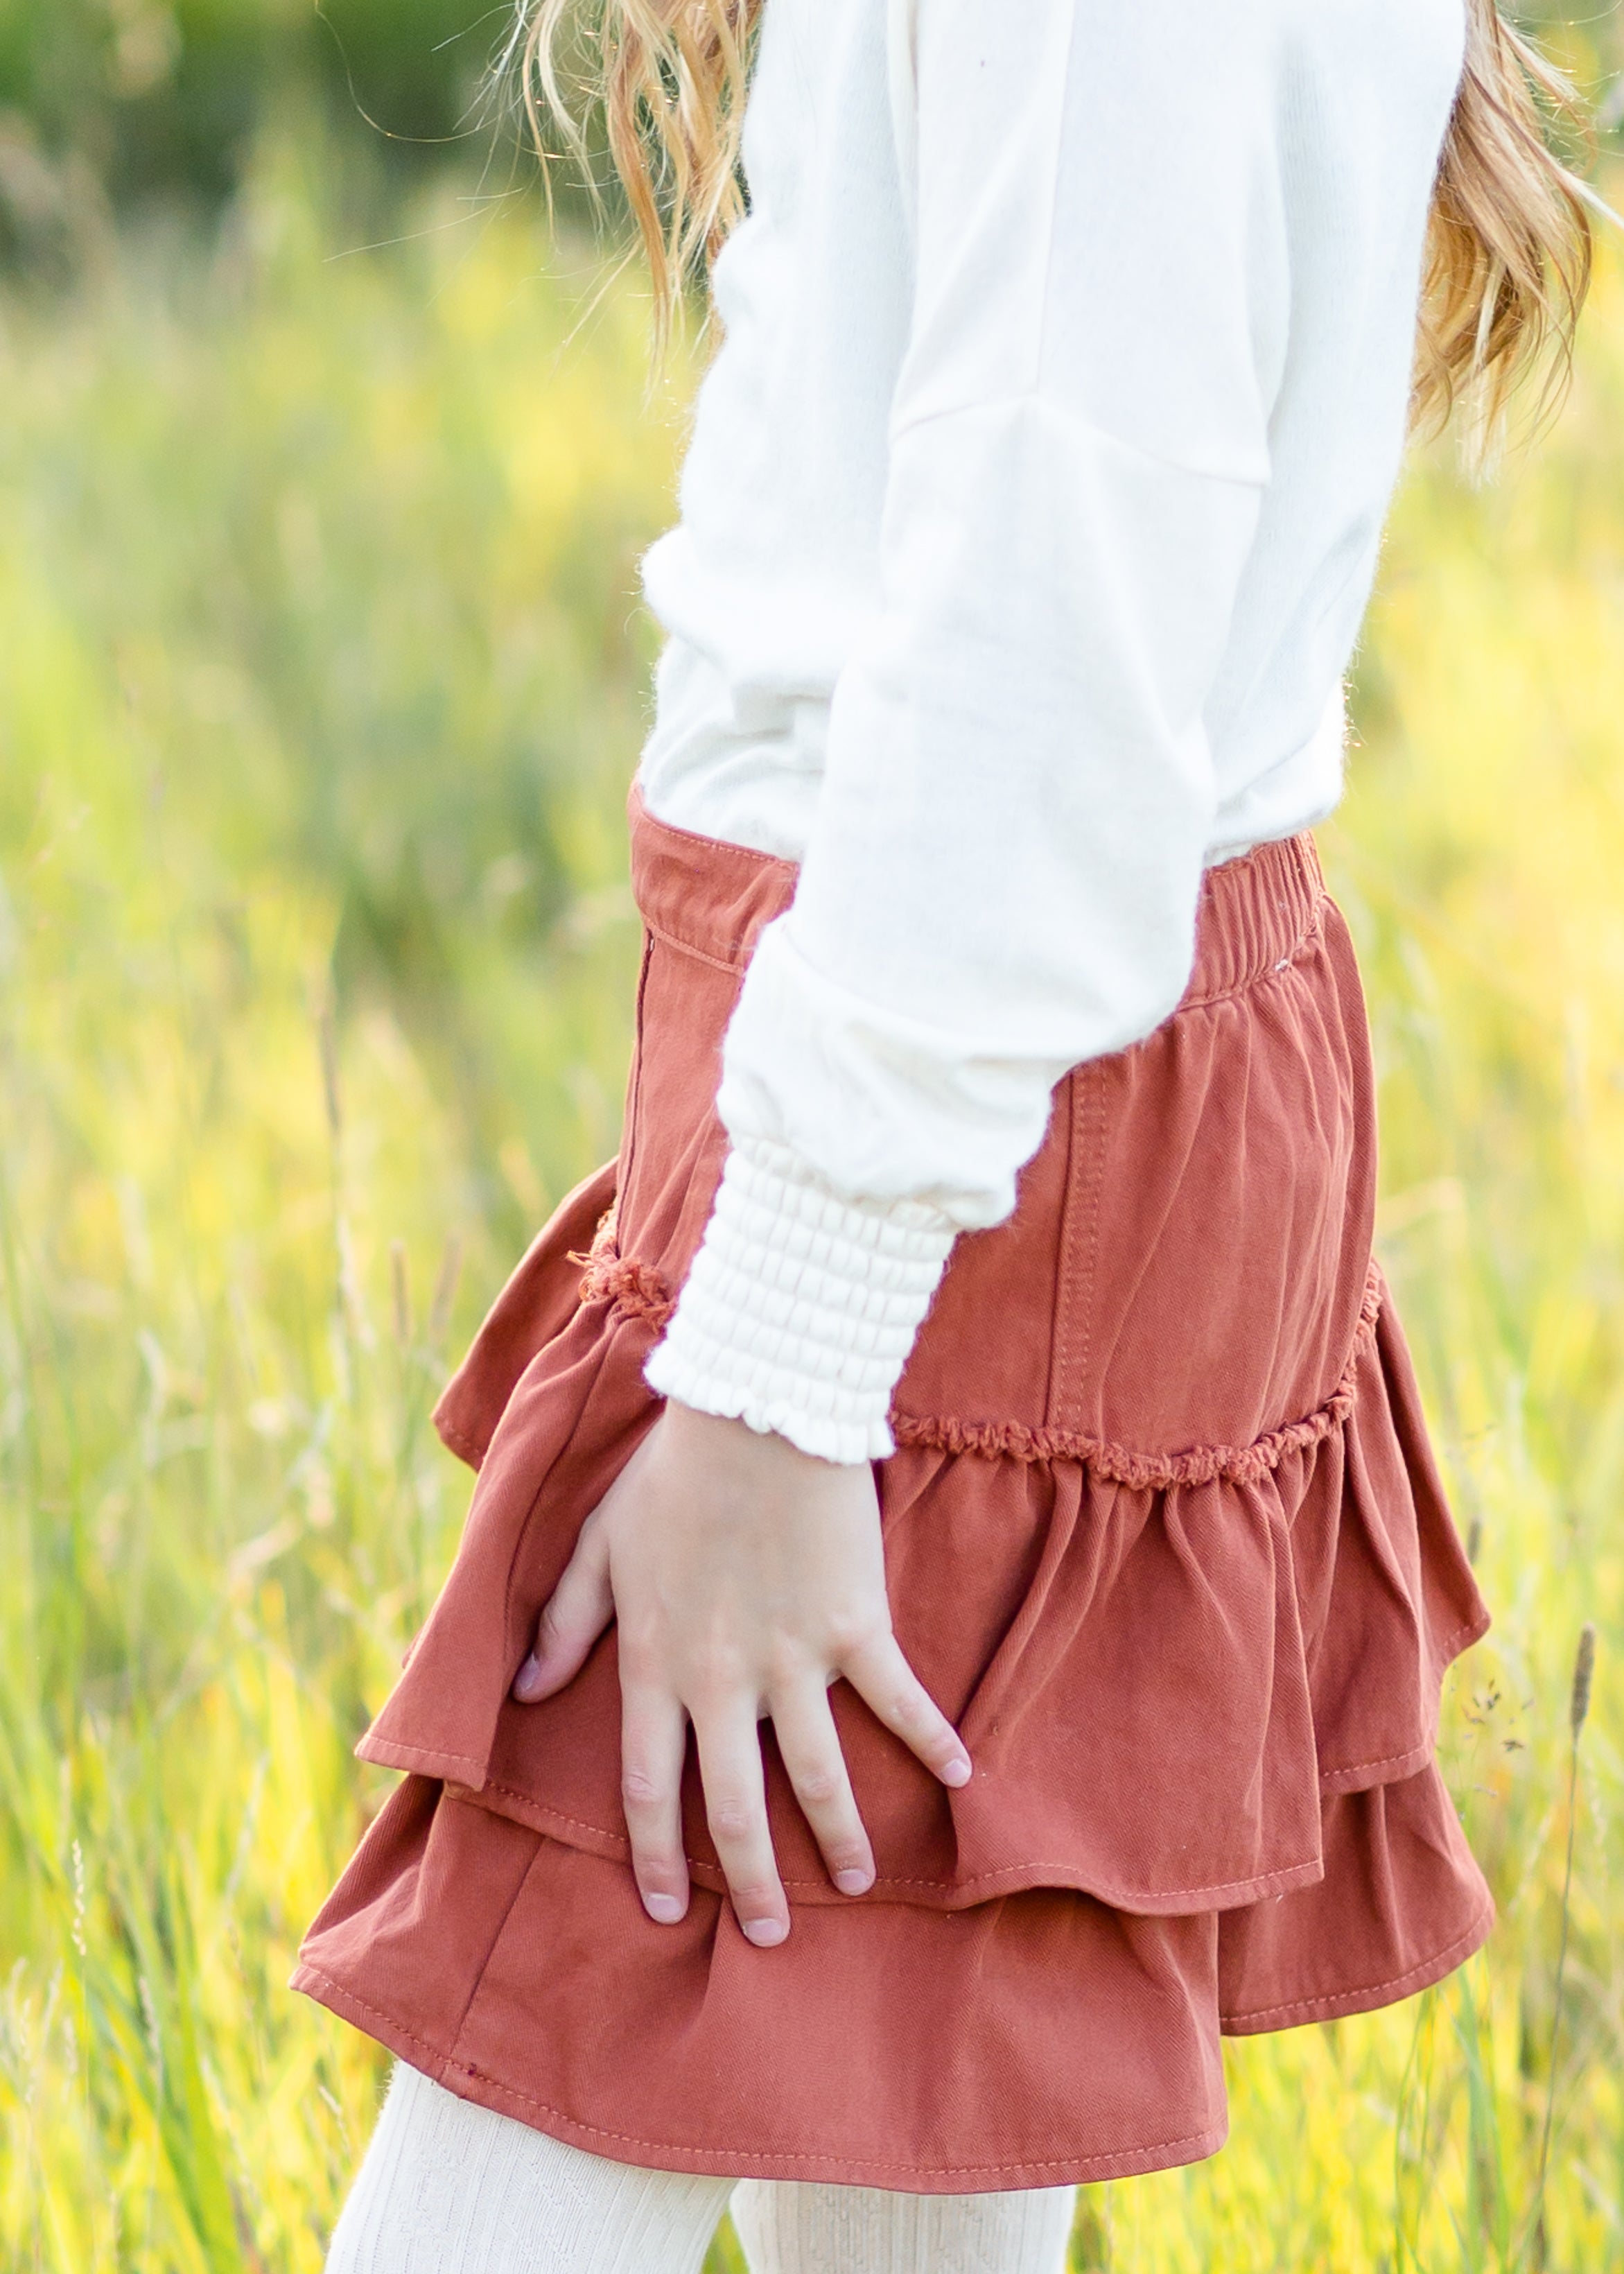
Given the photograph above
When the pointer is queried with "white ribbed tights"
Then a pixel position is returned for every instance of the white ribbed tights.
(450, 2188)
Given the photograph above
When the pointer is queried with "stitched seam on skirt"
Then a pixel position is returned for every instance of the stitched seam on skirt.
(895, 1879)
(500, 1929)
(640, 1290)
(428, 1753)
(735, 963)
(1367, 1989)
(1381, 1761)
(676, 2147)
(1088, 1191)
(1470, 1630)
(1060, 1330)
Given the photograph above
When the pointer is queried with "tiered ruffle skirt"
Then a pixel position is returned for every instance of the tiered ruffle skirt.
(1163, 1536)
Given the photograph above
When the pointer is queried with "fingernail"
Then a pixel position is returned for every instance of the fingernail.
(667, 1908)
(853, 1883)
(765, 1934)
(527, 1681)
(956, 1773)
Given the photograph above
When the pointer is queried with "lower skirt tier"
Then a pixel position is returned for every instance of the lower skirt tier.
(1068, 2040)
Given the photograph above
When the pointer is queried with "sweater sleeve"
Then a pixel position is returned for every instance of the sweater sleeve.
(1004, 863)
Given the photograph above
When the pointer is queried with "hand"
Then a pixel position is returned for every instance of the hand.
(745, 1576)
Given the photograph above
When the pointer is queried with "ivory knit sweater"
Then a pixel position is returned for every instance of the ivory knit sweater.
(1032, 508)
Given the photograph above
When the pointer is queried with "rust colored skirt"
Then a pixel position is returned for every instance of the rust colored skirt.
(1163, 1537)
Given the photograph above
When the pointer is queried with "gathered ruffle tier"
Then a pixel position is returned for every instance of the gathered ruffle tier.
(1164, 1538)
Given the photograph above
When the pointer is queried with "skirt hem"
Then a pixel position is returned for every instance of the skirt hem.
(478, 2085)
(920, 1893)
(1341, 2004)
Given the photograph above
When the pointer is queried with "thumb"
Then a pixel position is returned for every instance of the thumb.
(573, 1617)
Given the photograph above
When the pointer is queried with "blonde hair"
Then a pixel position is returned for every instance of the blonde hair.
(668, 78)
(1509, 242)
(1508, 249)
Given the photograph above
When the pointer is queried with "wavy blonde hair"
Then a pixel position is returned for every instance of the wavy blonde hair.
(1509, 244)
(667, 79)
(1508, 248)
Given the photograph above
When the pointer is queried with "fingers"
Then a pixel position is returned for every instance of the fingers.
(889, 1686)
(576, 1614)
(730, 1766)
(810, 1746)
(653, 1741)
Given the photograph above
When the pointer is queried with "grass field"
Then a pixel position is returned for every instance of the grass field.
(320, 680)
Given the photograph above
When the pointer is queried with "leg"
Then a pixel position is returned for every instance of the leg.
(794, 2229)
(450, 2188)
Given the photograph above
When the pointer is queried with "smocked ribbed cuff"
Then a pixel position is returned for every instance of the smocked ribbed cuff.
(801, 1308)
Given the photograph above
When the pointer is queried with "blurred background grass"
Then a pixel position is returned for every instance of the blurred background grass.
(323, 473)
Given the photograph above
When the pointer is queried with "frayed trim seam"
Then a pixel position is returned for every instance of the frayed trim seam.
(640, 1290)
(633, 1290)
(1202, 1464)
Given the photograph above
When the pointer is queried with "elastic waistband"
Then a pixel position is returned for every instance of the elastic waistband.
(711, 899)
(1253, 916)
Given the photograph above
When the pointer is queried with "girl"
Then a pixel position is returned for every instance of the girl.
(953, 1608)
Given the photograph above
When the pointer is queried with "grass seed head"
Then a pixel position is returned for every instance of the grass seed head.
(1584, 1667)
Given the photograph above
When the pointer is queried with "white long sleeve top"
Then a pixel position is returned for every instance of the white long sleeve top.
(1031, 510)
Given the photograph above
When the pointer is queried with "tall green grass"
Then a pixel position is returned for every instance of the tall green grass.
(320, 680)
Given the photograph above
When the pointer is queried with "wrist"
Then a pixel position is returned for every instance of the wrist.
(725, 1439)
